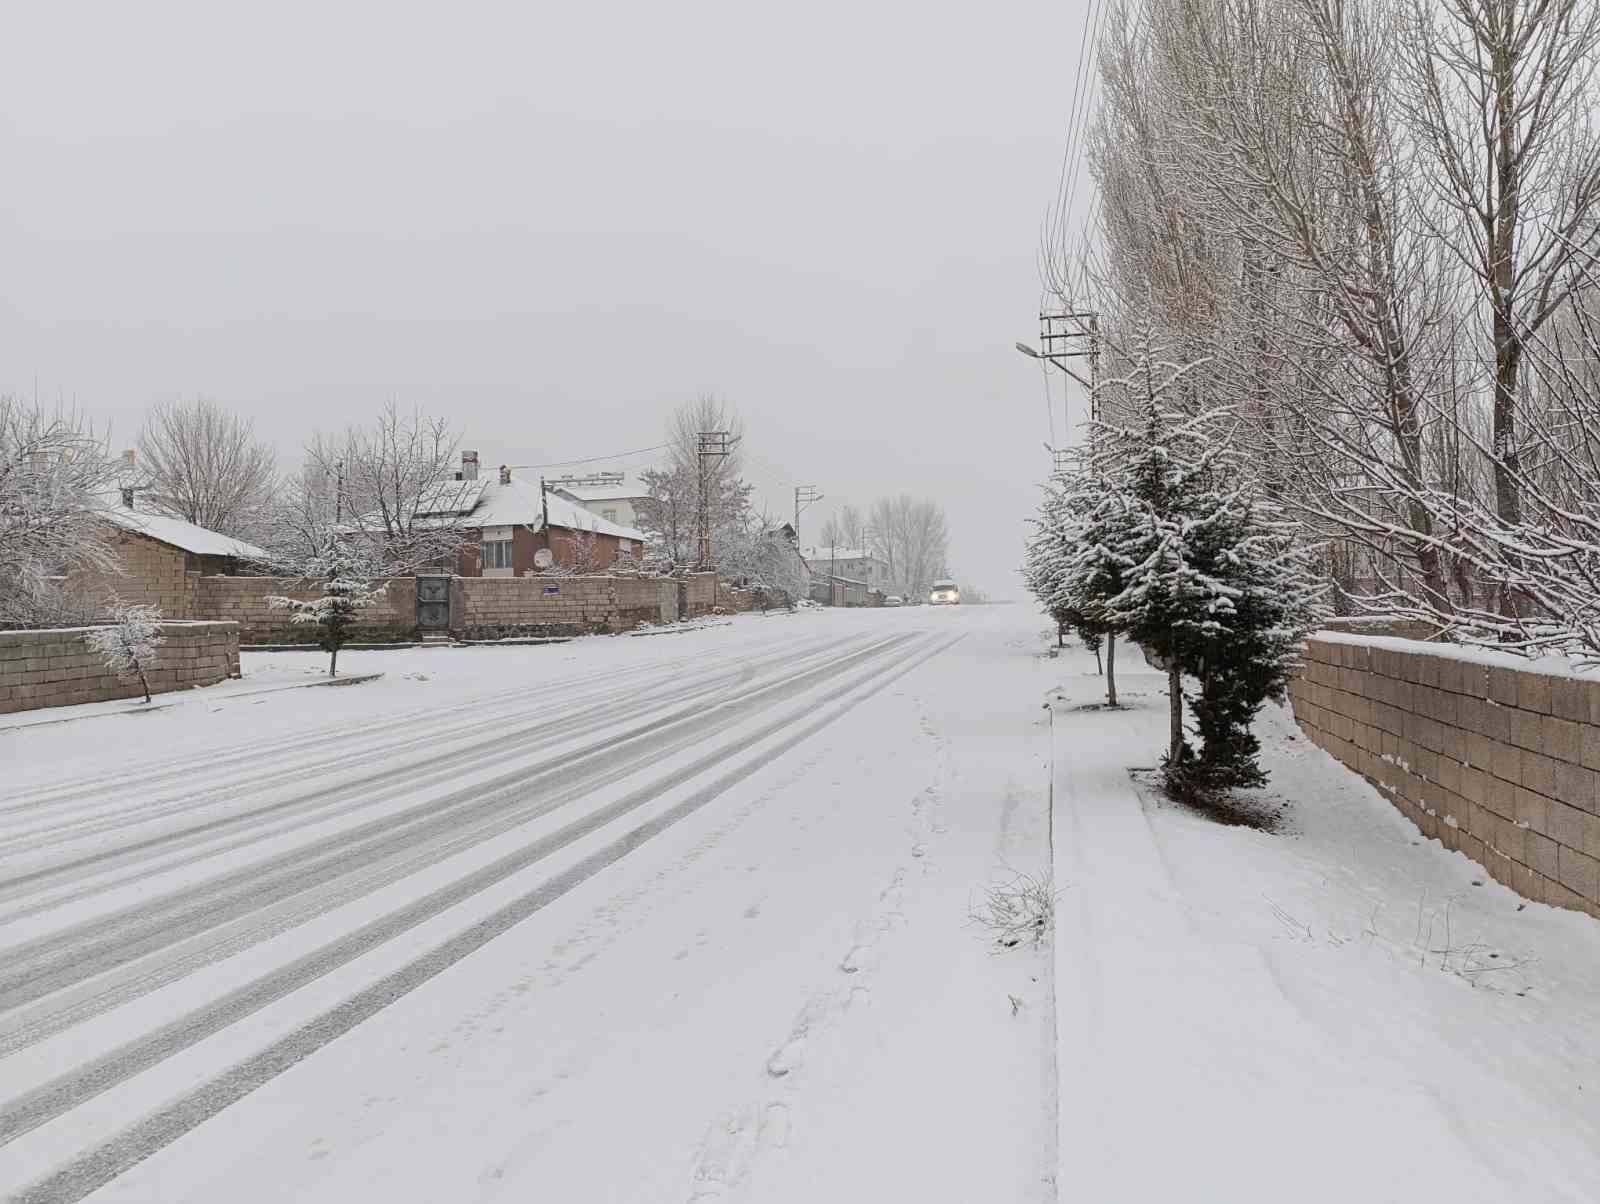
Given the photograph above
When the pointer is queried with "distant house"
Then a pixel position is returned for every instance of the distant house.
(161, 559)
(856, 564)
(504, 518)
(614, 496)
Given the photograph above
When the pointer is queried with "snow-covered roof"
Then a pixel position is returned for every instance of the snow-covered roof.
(181, 534)
(451, 497)
(518, 504)
(626, 490)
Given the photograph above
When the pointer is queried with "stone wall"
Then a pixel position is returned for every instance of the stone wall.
(243, 600)
(488, 608)
(1489, 756)
(698, 594)
(56, 667)
(153, 573)
(481, 608)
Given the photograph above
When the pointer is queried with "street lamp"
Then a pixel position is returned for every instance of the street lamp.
(1056, 360)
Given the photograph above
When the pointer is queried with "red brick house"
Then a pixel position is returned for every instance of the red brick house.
(509, 521)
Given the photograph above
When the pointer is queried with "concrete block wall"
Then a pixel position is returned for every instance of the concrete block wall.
(480, 607)
(153, 573)
(699, 596)
(56, 667)
(486, 608)
(1496, 759)
(243, 600)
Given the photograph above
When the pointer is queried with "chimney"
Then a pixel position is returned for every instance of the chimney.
(127, 458)
(469, 466)
(505, 475)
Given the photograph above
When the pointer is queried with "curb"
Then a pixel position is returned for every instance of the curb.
(142, 709)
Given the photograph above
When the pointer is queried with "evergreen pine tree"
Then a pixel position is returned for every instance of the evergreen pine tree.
(1213, 585)
(344, 575)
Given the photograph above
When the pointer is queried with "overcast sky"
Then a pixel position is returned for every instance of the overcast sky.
(553, 222)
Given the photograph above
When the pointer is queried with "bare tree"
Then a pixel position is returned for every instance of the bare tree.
(56, 480)
(204, 464)
(832, 534)
(1507, 113)
(674, 490)
(852, 527)
(393, 488)
(912, 538)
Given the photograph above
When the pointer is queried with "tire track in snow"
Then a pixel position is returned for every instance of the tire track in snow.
(139, 812)
(315, 755)
(103, 1163)
(421, 835)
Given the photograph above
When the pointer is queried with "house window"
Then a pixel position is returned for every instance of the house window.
(610, 512)
(496, 554)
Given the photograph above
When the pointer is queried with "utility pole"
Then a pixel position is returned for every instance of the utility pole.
(1070, 334)
(712, 448)
(805, 496)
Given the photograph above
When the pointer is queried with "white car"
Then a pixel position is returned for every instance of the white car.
(944, 593)
(894, 600)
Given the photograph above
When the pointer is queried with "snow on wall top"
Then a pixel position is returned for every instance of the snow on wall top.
(1554, 666)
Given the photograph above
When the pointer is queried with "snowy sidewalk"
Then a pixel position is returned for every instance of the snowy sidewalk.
(1318, 1015)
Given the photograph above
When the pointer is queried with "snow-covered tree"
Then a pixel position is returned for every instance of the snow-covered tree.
(203, 464)
(55, 481)
(1215, 585)
(756, 553)
(343, 573)
(1070, 567)
(128, 645)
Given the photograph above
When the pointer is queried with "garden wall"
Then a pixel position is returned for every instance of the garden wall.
(697, 594)
(487, 608)
(1488, 755)
(56, 667)
(481, 608)
(243, 600)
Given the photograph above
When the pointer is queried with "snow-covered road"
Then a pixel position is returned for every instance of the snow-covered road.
(600, 921)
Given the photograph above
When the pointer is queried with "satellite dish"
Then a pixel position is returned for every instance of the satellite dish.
(542, 559)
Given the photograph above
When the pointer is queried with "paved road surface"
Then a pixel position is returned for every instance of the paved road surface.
(179, 927)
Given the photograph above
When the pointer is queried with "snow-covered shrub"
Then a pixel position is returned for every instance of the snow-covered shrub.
(343, 571)
(128, 646)
(1020, 909)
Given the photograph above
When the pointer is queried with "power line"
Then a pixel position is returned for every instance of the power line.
(594, 459)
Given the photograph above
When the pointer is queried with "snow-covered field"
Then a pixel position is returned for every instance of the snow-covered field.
(1341, 1012)
(622, 919)
(687, 918)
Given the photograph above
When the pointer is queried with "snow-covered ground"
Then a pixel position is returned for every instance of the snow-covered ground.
(615, 920)
(687, 918)
(1343, 1012)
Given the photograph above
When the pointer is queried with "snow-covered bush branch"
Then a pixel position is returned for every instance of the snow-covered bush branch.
(129, 645)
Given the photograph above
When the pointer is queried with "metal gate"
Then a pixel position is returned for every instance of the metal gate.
(433, 602)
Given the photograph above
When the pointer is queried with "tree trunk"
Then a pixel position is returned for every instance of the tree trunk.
(143, 682)
(1111, 669)
(333, 661)
(1175, 704)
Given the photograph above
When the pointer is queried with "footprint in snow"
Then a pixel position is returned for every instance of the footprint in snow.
(788, 1057)
(858, 959)
(775, 1126)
